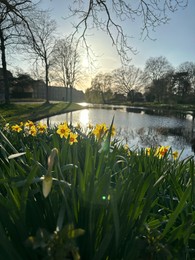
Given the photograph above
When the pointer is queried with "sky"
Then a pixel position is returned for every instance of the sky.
(175, 40)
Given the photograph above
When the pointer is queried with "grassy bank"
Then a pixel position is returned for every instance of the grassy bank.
(34, 111)
(174, 107)
(158, 105)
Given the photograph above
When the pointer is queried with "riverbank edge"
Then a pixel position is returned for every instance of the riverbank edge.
(177, 108)
(16, 112)
(21, 111)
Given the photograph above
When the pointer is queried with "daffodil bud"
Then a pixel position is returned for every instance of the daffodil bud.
(47, 184)
(51, 158)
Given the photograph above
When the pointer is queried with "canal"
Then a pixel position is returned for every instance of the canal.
(138, 127)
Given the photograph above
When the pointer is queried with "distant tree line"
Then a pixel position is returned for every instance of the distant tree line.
(159, 82)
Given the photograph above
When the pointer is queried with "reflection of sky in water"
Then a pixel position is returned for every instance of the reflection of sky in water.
(137, 129)
(84, 117)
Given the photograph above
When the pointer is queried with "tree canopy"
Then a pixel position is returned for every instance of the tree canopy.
(110, 15)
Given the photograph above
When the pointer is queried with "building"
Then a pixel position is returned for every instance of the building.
(64, 94)
(24, 86)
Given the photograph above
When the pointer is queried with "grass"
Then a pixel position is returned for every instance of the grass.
(92, 198)
(165, 106)
(183, 108)
(21, 112)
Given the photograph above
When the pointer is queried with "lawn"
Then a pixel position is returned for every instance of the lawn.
(32, 111)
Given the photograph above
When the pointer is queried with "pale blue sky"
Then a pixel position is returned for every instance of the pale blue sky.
(175, 40)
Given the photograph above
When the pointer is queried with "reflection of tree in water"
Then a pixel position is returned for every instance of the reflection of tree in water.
(149, 137)
(177, 137)
(182, 137)
(141, 137)
(169, 112)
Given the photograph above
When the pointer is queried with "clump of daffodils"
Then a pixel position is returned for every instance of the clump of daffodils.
(65, 132)
(161, 151)
(16, 128)
(27, 128)
(99, 131)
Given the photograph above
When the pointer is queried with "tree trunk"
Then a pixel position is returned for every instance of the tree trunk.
(70, 93)
(66, 97)
(4, 66)
(47, 81)
(103, 98)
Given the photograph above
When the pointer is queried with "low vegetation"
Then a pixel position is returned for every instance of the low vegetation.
(72, 193)
(34, 111)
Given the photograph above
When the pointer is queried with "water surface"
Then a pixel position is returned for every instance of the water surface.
(137, 127)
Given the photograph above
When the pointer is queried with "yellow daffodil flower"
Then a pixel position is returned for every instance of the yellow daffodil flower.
(100, 130)
(148, 151)
(73, 138)
(126, 148)
(41, 127)
(175, 155)
(29, 124)
(161, 151)
(63, 130)
(113, 131)
(16, 128)
(33, 130)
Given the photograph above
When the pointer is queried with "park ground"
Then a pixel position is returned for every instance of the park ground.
(15, 112)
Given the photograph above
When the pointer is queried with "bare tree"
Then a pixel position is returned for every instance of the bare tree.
(13, 15)
(158, 73)
(110, 15)
(39, 45)
(157, 68)
(188, 67)
(102, 83)
(66, 64)
(127, 79)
